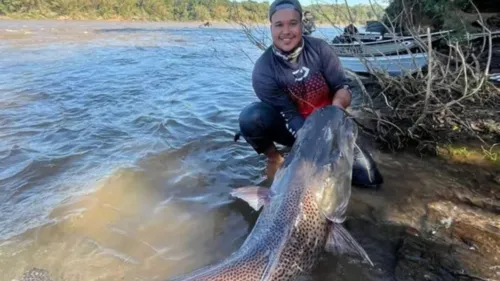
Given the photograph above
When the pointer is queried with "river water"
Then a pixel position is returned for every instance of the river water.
(117, 151)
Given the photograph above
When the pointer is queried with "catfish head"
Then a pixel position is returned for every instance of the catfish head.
(326, 142)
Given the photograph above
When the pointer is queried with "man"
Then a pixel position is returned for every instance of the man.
(292, 78)
(309, 26)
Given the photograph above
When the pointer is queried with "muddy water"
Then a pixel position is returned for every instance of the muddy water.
(117, 159)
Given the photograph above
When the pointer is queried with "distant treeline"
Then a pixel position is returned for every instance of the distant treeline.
(174, 10)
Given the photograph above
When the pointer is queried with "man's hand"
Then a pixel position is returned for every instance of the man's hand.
(342, 98)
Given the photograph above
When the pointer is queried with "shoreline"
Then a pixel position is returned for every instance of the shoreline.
(118, 19)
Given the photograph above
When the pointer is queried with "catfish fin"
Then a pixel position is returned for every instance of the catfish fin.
(255, 196)
(341, 241)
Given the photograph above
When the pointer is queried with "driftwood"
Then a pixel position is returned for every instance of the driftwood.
(452, 100)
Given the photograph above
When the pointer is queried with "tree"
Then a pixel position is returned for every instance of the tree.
(201, 13)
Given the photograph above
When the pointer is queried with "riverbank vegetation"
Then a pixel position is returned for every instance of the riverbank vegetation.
(449, 103)
(169, 10)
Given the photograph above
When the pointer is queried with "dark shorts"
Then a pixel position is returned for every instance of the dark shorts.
(262, 126)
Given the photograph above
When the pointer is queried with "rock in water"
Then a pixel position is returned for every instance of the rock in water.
(36, 274)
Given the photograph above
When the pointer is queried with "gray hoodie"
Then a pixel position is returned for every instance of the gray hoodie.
(295, 90)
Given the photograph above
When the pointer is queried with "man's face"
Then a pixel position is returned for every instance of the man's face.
(286, 29)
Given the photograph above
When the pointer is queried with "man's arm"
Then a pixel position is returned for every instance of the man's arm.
(269, 92)
(335, 76)
(342, 98)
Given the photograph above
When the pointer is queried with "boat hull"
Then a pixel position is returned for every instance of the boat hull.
(395, 65)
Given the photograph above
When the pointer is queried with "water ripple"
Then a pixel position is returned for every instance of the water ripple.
(141, 121)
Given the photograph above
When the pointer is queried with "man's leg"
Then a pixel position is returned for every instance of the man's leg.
(274, 160)
(364, 169)
(261, 126)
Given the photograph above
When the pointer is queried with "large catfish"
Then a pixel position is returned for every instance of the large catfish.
(303, 210)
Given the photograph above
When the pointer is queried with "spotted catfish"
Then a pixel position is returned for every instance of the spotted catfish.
(302, 212)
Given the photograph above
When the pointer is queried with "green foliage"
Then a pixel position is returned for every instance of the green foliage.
(176, 10)
(339, 13)
(434, 13)
(201, 13)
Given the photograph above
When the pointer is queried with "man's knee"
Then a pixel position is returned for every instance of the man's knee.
(256, 116)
